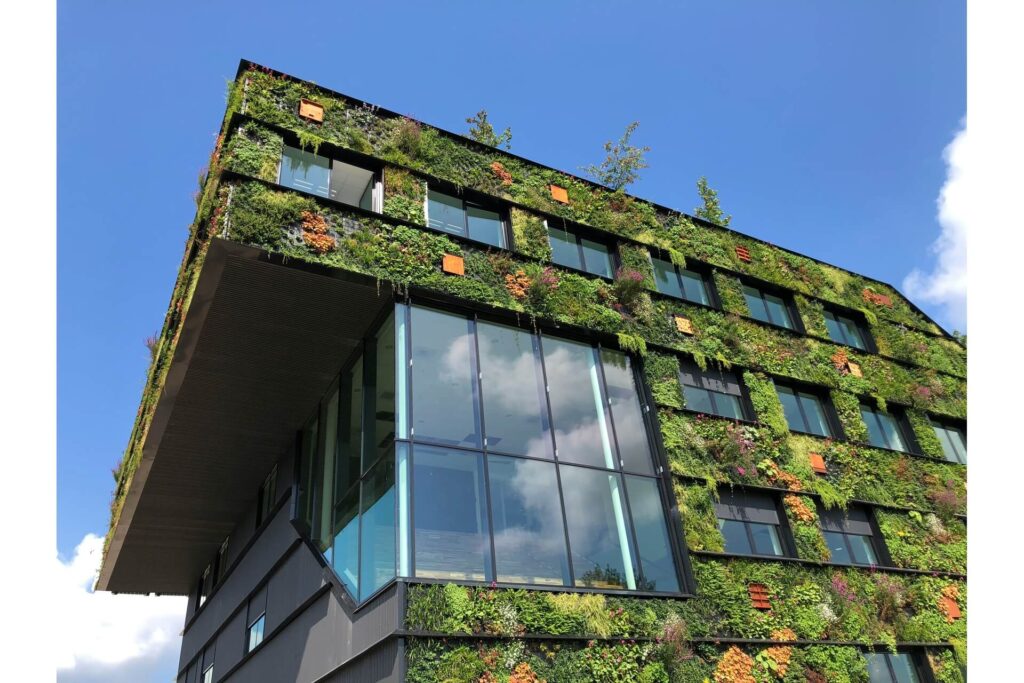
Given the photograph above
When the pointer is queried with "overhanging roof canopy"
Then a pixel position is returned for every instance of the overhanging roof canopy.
(259, 346)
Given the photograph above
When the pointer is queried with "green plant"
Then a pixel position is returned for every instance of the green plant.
(711, 210)
(482, 131)
(623, 164)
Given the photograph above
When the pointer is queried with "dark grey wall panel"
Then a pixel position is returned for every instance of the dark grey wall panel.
(381, 665)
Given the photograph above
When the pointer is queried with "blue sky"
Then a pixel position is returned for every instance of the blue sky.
(822, 126)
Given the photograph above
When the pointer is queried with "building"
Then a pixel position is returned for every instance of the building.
(424, 410)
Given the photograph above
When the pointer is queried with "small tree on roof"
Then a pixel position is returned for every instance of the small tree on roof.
(482, 131)
(711, 211)
(623, 163)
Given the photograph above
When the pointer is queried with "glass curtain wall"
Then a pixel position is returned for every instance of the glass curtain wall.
(456, 449)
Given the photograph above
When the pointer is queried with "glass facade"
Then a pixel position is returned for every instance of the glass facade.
(681, 283)
(459, 217)
(457, 449)
(572, 250)
(804, 412)
(845, 330)
(331, 178)
(953, 440)
(767, 307)
(885, 667)
(883, 429)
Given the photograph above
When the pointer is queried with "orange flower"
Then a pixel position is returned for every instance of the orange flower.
(499, 170)
(735, 666)
(314, 233)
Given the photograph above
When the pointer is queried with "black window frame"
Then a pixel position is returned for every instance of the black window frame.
(741, 499)
(220, 562)
(859, 321)
(788, 300)
(746, 406)
(845, 526)
(701, 269)
(899, 416)
(469, 198)
(947, 424)
(917, 661)
(266, 497)
(209, 652)
(824, 397)
(580, 233)
(333, 153)
(255, 610)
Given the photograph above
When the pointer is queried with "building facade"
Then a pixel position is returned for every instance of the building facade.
(424, 410)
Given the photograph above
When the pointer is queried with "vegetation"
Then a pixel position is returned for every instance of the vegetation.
(611, 638)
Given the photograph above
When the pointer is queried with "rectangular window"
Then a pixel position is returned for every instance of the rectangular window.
(529, 541)
(769, 308)
(805, 412)
(334, 179)
(749, 523)
(953, 440)
(255, 619)
(267, 497)
(221, 563)
(457, 216)
(205, 584)
(207, 666)
(885, 430)
(886, 667)
(481, 485)
(712, 391)
(450, 535)
(849, 535)
(845, 329)
(681, 283)
(574, 251)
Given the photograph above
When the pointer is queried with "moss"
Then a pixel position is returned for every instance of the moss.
(924, 433)
(662, 372)
(530, 235)
(766, 402)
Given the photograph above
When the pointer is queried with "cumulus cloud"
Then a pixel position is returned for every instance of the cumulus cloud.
(101, 636)
(946, 284)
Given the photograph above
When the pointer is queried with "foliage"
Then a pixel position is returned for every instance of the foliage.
(529, 235)
(766, 402)
(482, 131)
(924, 541)
(622, 166)
(711, 211)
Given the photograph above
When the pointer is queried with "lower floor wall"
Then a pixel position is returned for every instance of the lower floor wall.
(628, 661)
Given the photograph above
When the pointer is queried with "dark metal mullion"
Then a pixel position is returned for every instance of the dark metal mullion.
(606, 400)
(750, 537)
(554, 457)
(410, 361)
(800, 407)
(892, 669)
(579, 248)
(478, 381)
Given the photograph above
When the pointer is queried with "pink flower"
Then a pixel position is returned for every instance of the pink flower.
(742, 471)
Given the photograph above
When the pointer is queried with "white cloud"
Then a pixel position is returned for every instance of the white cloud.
(946, 284)
(102, 636)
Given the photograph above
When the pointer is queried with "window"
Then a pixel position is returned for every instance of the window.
(953, 440)
(502, 455)
(207, 665)
(681, 283)
(805, 412)
(266, 498)
(221, 563)
(749, 523)
(845, 329)
(885, 430)
(255, 619)
(849, 536)
(574, 251)
(460, 217)
(886, 667)
(205, 584)
(334, 179)
(769, 308)
(711, 391)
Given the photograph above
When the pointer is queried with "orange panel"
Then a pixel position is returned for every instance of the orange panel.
(559, 194)
(453, 265)
(312, 111)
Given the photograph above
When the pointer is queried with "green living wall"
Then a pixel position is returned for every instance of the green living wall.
(822, 616)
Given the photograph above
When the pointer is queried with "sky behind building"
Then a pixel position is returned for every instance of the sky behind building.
(822, 125)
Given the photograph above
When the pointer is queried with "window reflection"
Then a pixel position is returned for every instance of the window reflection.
(658, 571)
(627, 412)
(444, 406)
(529, 541)
(451, 540)
(598, 538)
(513, 391)
(582, 433)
